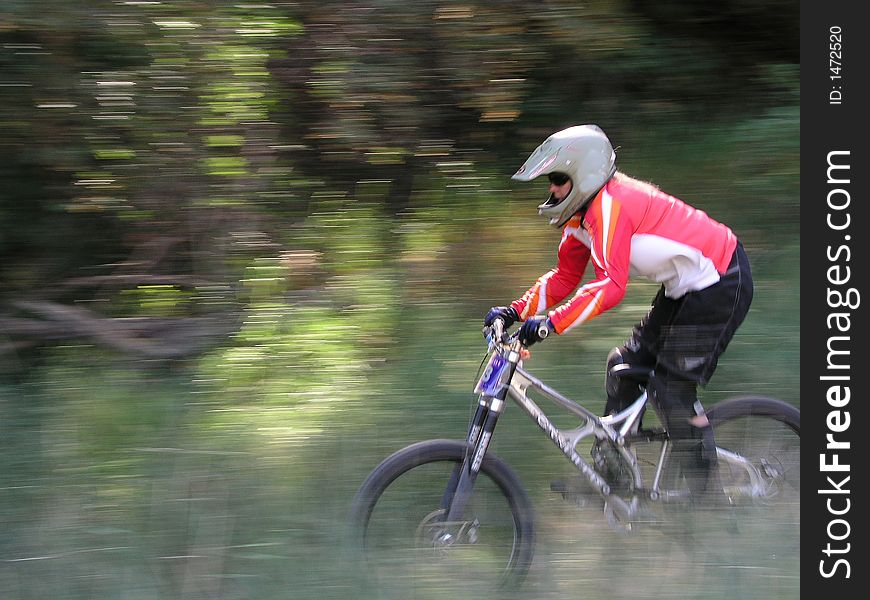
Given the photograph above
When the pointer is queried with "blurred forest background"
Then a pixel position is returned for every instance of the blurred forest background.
(246, 249)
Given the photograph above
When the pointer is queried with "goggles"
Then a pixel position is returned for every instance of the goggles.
(558, 178)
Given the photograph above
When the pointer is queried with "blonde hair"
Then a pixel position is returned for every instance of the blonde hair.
(625, 178)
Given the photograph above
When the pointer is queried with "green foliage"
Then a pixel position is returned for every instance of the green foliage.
(157, 300)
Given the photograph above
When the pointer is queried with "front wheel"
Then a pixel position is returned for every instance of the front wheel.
(398, 522)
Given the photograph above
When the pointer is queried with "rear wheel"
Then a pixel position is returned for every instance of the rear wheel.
(759, 467)
(410, 551)
(759, 449)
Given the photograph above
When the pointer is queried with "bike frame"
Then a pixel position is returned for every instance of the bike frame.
(614, 428)
(514, 384)
(618, 429)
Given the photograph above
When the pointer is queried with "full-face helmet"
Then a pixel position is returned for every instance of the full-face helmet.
(585, 155)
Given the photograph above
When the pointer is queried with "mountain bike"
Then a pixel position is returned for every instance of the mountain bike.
(451, 508)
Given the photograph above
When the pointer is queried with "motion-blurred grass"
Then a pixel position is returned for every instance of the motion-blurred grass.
(230, 476)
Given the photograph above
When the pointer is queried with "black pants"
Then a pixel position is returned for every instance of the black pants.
(687, 336)
(681, 341)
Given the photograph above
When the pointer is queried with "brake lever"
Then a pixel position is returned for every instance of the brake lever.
(488, 336)
(492, 342)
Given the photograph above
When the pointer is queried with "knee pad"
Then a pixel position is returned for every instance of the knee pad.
(611, 383)
(620, 392)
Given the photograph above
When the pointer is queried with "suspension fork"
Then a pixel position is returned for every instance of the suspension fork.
(462, 479)
(474, 431)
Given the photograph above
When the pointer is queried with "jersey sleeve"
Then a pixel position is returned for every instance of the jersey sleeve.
(610, 234)
(553, 287)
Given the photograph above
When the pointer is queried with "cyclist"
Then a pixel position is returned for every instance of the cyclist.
(625, 226)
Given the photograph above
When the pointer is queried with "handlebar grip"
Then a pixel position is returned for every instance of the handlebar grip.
(495, 331)
(498, 328)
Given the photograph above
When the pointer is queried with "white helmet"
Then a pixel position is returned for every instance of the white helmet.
(584, 154)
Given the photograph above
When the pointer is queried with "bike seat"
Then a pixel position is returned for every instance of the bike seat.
(626, 371)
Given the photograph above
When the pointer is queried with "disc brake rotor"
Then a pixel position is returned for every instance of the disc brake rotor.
(434, 532)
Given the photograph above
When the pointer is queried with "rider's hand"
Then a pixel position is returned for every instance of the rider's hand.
(508, 314)
(535, 330)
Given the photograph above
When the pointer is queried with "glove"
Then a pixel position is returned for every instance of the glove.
(508, 314)
(534, 330)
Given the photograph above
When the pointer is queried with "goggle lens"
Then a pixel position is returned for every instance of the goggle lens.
(558, 178)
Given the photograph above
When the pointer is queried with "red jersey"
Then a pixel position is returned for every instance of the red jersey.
(629, 228)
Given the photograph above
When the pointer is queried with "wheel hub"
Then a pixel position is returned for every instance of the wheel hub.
(434, 532)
